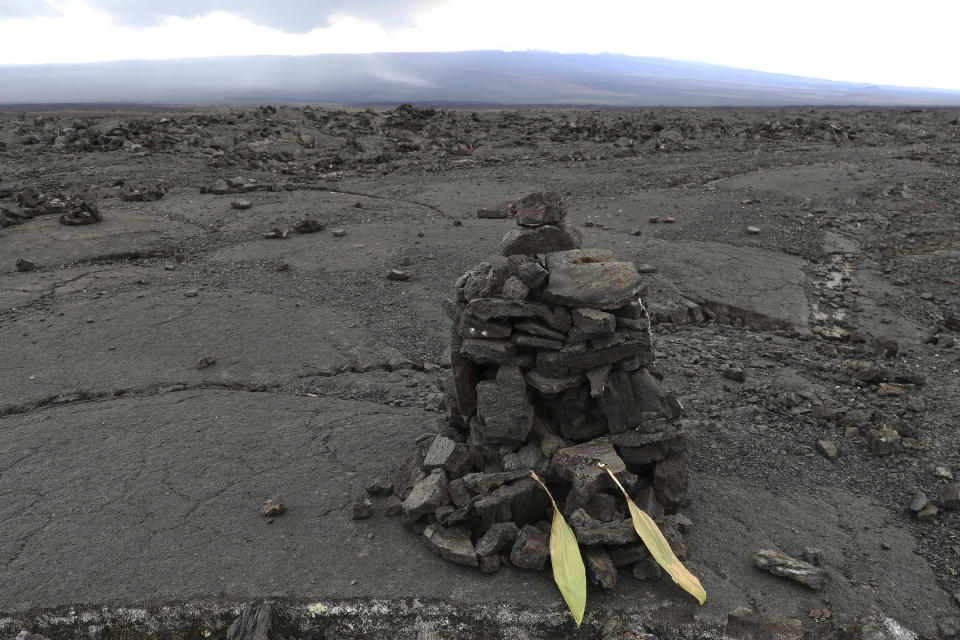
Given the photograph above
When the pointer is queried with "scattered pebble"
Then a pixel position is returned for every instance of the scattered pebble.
(272, 507)
(398, 275)
(205, 362)
(241, 204)
(190, 293)
(828, 448)
(25, 265)
(737, 374)
(654, 219)
(753, 230)
(669, 220)
(362, 509)
(338, 233)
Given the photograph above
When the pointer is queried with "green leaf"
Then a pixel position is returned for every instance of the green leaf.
(568, 570)
(659, 547)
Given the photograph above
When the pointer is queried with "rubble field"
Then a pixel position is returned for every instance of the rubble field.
(224, 331)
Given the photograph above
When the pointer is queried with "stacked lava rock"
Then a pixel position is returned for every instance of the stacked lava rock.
(551, 371)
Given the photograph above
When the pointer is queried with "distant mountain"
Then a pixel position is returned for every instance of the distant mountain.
(468, 77)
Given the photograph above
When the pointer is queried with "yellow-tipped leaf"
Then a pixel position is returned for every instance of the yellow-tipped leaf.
(659, 547)
(568, 570)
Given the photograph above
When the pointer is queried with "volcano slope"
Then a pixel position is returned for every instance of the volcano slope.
(169, 368)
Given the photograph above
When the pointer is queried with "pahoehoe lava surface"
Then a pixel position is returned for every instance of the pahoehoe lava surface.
(172, 366)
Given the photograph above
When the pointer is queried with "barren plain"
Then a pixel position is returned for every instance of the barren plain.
(173, 357)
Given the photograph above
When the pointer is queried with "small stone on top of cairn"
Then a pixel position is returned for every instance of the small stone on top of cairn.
(549, 356)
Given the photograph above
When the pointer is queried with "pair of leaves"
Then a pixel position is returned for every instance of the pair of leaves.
(570, 574)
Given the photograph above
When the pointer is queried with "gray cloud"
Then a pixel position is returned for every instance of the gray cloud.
(291, 16)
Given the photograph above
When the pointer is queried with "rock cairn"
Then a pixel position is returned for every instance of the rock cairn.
(552, 370)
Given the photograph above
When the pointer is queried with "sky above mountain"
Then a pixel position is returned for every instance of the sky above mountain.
(851, 40)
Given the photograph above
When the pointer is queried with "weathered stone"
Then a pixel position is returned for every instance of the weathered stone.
(598, 379)
(532, 273)
(684, 524)
(272, 507)
(25, 265)
(600, 568)
(948, 494)
(452, 309)
(489, 308)
(670, 531)
(602, 506)
(309, 225)
(580, 465)
(472, 282)
(362, 509)
(629, 553)
(536, 343)
(884, 442)
(589, 278)
(633, 310)
(635, 324)
(488, 351)
(539, 329)
(873, 625)
(654, 451)
(780, 564)
(544, 207)
(583, 428)
(828, 448)
(452, 544)
(593, 320)
(813, 555)
(499, 537)
(528, 457)
(744, 623)
(514, 289)
(380, 486)
(546, 384)
(550, 444)
(670, 483)
(459, 494)
(492, 213)
(569, 360)
(427, 495)
(636, 438)
(489, 564)
(393, 507)
(470, 327)
(503, 406)
(650, 397)
(929, 512)
(478, 483)
(531, 549)
(618, 402)
(918, 502)
(646, 498)
(496, 278)
(646, 569)
(590, 532)
(452, 457)
(465, 376)
(522, 502)
(544, 239)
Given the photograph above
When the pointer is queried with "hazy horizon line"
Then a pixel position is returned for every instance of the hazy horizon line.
(474, 51)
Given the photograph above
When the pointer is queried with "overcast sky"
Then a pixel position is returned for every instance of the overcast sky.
(902, 43)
